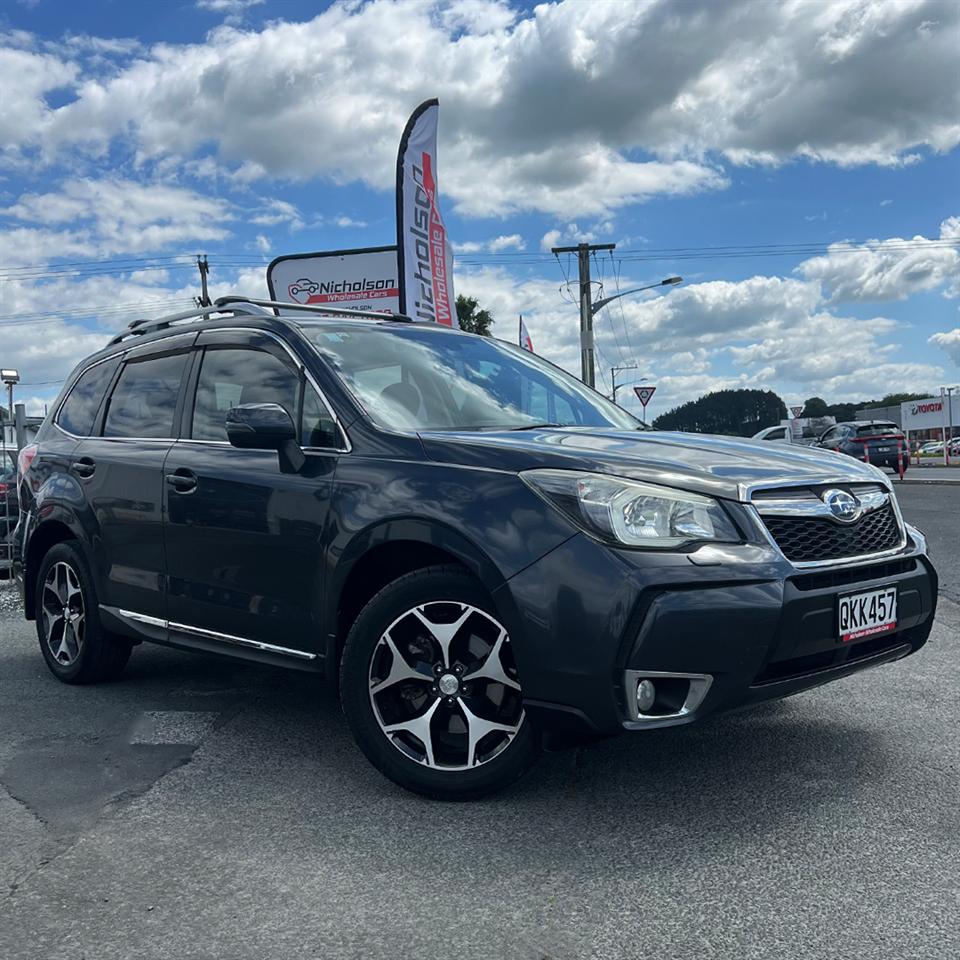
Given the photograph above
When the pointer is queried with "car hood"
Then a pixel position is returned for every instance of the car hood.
(718, 466)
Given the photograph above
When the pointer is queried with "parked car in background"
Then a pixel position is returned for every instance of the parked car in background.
(779, 433)
(8, 492)
(480, 553)
(878, 441)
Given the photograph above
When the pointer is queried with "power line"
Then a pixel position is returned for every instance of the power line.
(600, 269)
(110, 310)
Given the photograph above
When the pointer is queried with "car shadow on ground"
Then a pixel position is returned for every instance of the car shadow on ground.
(657, 796)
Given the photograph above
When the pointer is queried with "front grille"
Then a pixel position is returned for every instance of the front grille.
(804, 540)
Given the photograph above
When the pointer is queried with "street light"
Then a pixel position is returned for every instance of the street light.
(10, 377)
(613, 376)
(595, 308)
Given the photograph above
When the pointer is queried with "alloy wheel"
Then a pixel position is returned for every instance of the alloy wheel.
(444, 686)
(63, 613)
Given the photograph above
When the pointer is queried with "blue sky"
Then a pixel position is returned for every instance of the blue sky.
(133, 136)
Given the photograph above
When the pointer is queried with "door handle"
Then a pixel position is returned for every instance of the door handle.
(84, 467)
(183, 481)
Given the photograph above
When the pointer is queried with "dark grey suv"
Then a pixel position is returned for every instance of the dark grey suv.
(480, 553)
(879, 442)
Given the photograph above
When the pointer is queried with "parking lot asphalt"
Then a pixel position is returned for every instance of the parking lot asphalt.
(205, 809)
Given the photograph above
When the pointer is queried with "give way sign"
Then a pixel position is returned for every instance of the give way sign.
(644, 394)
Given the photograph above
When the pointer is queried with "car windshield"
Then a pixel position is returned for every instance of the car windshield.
(426, 378)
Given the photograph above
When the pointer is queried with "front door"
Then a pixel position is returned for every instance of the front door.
(243, 539)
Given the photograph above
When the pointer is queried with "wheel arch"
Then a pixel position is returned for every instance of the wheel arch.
(385, 552)
(43, 538)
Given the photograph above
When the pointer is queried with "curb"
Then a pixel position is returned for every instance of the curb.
(942, 481)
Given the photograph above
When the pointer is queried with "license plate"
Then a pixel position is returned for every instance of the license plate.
(865, 614)
(884, 449)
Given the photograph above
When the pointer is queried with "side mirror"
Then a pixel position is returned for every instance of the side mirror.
(265, 426)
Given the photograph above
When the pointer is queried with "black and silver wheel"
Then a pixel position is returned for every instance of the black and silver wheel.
(431, 690)
(75, 646)
(62, 613)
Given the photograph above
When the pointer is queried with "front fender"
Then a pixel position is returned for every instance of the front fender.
(488, 520)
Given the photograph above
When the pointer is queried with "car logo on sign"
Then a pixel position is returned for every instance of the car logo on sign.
(843, 506)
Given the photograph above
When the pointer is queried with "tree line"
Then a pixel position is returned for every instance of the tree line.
(741, 413)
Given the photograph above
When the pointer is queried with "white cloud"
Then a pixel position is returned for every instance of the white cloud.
(949, 342)
(103, 217)
(274, 212)
(890, 269)
(499, 244)
(763, 332)
(263, 244)
(512, 242)
(227, 6)
(571, 108)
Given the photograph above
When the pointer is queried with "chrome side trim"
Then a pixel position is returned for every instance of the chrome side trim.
(214, 635)
(699, 686)
(240, 641)
(143, 618)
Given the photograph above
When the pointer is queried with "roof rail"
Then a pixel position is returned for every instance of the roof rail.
(320, 309)
(249, 307)
(139, 327)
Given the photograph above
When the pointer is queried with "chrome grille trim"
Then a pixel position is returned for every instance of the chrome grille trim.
(769, 497)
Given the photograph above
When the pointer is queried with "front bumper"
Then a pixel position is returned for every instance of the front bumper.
(590, 619)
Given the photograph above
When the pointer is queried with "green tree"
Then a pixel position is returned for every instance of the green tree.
(738, 413)
(892, 400)
(815, 407)
(472, 319)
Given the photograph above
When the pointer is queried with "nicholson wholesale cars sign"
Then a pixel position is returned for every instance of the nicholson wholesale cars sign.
(414, 277)
(425, 254)
(358, 279)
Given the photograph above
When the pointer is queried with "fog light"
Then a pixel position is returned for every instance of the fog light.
(646, 694)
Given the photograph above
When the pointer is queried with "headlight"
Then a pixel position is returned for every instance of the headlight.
(630, 513)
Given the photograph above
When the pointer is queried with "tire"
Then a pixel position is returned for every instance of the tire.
(455, 684)
(76, 647)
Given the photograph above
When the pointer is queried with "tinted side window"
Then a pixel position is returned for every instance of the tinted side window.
(80, 408)
(145, 398)
(231, 377)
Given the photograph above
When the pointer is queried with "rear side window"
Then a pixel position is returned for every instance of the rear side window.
(145, 398)
(80, 408)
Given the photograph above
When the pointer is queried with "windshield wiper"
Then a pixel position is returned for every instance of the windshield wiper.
(537, 426)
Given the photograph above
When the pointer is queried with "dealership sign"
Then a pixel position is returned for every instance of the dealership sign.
(358, 279)
(931, 413)
(424, 251)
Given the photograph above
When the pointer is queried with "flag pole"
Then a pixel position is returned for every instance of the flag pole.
(520, 331)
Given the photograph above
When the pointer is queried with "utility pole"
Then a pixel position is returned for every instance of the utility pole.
(583, 251)
(613, 376)
(204, 299)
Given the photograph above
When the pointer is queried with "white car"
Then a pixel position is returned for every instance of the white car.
(780, 433)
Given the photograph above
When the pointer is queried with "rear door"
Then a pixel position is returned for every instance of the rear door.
(121, 471)
(244, 540)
